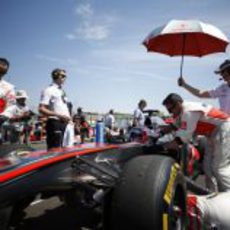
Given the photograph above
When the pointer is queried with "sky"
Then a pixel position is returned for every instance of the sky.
(99, 44)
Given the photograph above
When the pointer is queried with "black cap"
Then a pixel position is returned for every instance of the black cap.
(224, 66)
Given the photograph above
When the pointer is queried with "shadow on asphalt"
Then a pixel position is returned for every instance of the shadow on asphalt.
(59, 218)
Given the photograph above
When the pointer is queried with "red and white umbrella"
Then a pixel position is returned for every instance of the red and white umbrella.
(186, 37)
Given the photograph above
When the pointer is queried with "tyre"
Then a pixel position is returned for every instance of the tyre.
(150, 195)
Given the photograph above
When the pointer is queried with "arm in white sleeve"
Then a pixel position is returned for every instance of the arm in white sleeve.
(189, 123)
(45, 97)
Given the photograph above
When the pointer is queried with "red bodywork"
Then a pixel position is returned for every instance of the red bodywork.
(31, 161)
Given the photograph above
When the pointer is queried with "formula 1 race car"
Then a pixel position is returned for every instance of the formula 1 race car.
(129, 185)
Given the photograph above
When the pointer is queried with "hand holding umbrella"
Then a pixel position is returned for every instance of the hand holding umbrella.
(180, 81)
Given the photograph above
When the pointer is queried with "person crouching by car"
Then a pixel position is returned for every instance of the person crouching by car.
(17, 117)
(54, 105)
(201, 119)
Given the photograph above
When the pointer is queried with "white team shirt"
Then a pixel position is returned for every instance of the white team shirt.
(140, 117)
(223, 94)
(55, 98)
(109, 120)
(15, 110)
(195, 113)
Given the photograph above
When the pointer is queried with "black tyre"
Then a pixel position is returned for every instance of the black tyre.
(151, 195)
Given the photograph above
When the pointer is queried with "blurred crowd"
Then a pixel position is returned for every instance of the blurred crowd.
(54, 121)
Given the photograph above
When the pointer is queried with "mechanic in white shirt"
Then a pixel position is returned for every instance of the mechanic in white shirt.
(7, 90)
(54, 105)
(200, 119)
(138, 115)
(17, 117)
(222, 92)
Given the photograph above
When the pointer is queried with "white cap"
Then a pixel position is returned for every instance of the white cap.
(21, 94)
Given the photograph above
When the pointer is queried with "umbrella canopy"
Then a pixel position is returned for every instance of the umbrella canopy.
(186, 37)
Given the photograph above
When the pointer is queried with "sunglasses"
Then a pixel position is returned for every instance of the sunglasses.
(60, 76)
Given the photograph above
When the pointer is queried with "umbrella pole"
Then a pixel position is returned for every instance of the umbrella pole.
(182, 60)
(181, 66)
(182, 56)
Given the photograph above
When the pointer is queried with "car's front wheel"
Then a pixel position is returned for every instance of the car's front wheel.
(150, 195)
